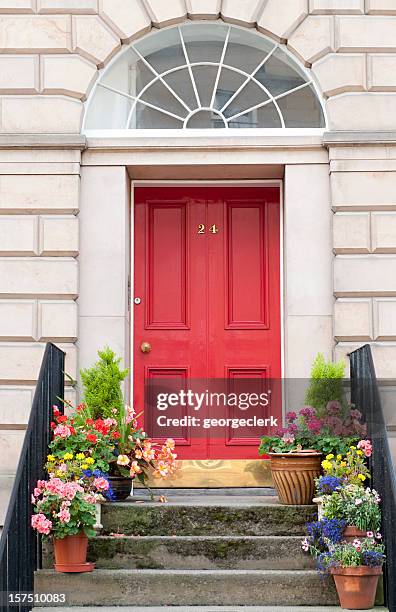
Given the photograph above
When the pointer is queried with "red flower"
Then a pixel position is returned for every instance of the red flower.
(56, 410)
(101, 427)
(72, 431)
(62, 418)
(116, 435)
(89, 421)
(92, 438)
(80, 407)
(53, 425)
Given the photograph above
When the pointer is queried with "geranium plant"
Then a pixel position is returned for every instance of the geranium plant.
(355, 505)
(335, 432)
(63, 508)
(116, 446)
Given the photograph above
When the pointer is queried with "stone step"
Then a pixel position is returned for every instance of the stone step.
(259, 516)
(189, 588)
(197, 552)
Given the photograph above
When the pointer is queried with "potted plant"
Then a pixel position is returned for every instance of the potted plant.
(116, 447)
(357, 506)
(66, 511)
(296, 450)
(356, 567)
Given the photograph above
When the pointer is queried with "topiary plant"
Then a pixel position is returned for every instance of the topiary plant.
(102, 385)
(326, 383)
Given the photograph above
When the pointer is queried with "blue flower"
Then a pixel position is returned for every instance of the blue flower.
(372, 558)
(326, 485)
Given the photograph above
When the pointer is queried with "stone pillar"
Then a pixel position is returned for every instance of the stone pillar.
(308, 297)
(104, 262)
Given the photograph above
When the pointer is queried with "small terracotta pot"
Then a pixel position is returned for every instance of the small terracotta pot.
(351, 533)
(71, 554)
(356, 586)
(294, 476)
(121, 487)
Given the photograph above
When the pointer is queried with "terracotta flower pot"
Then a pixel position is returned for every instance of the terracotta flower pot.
(121, 487)
(351, 533)
(356, 586)
(294, 476)
(71, 554)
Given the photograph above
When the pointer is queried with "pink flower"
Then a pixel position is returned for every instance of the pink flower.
(64, 515)
(41, 524)
(378, 536)
(357, 544)
(355, 414)
(62, 430)
(307, 412)
(288, 438)
(101, 484)
(110, 422)
(305, 545)
(315, 425)
(366, 447)
(370, 534)
(291, 416)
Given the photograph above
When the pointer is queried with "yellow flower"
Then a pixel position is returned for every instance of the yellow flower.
(80, 456)
(339, 457)
(51, 458)
(359, 452)
(343, 464)
(89, 460)
(352, 447)
(361, 477)
(67, 456)
(59, 473)
(84, 466)
(331, 456)
(326, 465)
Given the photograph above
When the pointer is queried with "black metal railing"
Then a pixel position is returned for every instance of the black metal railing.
(20, 546)
(366, 397)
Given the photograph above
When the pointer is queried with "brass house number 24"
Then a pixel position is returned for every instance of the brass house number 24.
(202, 229)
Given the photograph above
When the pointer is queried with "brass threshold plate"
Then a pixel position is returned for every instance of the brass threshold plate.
(218, 473)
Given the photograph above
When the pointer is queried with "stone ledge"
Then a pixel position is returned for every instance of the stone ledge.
(341, 138)
(43, 141)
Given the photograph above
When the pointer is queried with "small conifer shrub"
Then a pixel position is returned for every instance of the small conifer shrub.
(102, 391)
(326, 384)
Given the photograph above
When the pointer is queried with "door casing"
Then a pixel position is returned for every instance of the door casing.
(215, 472)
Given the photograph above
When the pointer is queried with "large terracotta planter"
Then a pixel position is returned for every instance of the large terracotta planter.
(356, 586)
(352, 533)
(294, 476)
(121, 487)
(71, 554)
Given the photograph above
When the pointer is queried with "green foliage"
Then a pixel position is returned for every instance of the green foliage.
(102, 385)
(355, 505)
(326, 383)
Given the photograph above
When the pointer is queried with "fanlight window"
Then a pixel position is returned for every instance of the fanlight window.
(204, 76)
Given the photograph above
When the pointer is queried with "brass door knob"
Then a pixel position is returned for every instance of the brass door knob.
(145, 347)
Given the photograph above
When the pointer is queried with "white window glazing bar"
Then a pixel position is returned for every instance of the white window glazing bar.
(282, 95)
(135, 100)
(248, 78)
(159, 76)
(212, 100)
(188, 64)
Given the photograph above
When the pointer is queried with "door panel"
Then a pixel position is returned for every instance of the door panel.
(207, 269)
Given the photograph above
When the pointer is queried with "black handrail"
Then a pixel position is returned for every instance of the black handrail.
(20, 546)
(366, 397)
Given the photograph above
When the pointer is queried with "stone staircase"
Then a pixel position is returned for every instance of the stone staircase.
(198, 549)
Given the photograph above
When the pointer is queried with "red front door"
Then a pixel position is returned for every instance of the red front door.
(207, 273)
